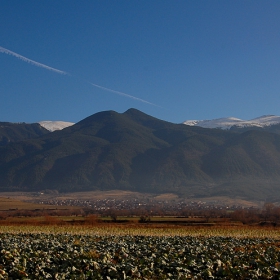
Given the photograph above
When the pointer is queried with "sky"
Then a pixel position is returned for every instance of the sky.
(176, 60)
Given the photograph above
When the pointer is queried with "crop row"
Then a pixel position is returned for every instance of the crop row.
(70, 256)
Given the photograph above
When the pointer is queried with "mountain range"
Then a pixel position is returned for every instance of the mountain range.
(229, 123)
(232, 123)
(137, 152)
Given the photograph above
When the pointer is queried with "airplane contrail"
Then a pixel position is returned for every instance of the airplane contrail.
(123, 94)
(3, 50)
(38, 64)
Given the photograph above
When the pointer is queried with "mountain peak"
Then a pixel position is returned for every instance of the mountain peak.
(55, 125)
(133, 111)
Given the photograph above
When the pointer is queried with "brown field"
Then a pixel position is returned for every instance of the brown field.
(12, 204)
(48, 218)
(145, 230)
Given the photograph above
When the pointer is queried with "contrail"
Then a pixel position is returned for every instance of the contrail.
(3, 50)
(25, 59)
(124, 94)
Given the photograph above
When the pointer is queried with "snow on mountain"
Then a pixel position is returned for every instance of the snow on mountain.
(227, 123)
(267, 120)
(55, 125)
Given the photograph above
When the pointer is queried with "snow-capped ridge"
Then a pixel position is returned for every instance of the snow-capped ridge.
(227, 123)
(55, 125)
(267, 120)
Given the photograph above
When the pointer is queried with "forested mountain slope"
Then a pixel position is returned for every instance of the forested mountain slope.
(134, 151)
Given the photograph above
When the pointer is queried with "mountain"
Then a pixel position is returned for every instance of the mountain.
(137, 152)
(13, 132)
(228, 123)
(55, 125)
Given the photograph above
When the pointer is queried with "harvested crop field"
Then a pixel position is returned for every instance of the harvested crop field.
(138, 253)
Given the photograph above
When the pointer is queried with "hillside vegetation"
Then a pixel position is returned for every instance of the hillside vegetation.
(12, 132)
(134, 151)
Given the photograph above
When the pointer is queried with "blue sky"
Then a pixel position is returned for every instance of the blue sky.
(192, 59)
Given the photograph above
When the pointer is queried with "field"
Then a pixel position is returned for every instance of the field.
(135, 251)
(40, 241)
(119, 195)
(8, 204)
